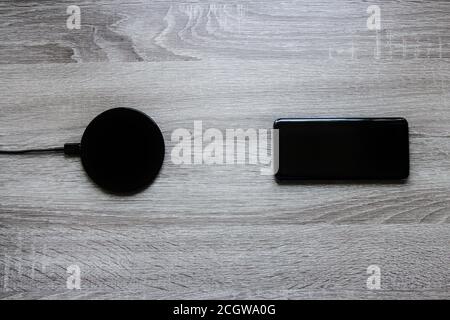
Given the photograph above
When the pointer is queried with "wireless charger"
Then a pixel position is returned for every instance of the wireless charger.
(122, 150)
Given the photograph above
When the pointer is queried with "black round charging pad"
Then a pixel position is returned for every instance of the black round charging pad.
(122, 150)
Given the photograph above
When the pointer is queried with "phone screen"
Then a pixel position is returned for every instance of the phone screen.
(347, 148)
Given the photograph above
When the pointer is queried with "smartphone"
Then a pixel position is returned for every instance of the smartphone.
(342, 149)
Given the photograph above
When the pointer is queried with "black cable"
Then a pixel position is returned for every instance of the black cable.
(69, 149)
(27, 151)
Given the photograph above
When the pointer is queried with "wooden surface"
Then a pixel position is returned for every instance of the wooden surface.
(222, 231)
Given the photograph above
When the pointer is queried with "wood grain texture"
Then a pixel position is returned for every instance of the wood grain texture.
(141, 30)
(233, 260)
(222, 231)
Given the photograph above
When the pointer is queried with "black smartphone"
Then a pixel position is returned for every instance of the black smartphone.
(342, 149)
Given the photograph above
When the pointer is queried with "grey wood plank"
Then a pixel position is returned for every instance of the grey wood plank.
(138, 30)
(222, 231)
(233, 260)
(250, 95)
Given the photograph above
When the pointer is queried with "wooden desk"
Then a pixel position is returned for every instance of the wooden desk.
(222, 231)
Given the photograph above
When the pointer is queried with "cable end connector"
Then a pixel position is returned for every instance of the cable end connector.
(72, 149)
